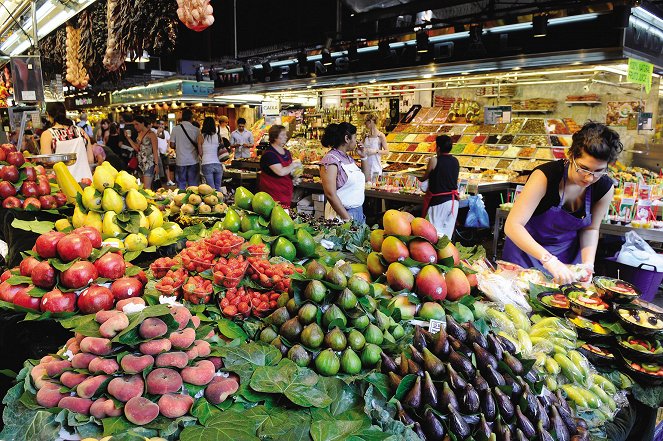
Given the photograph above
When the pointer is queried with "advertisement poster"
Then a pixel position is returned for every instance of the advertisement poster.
(618, 112)
(28, 85)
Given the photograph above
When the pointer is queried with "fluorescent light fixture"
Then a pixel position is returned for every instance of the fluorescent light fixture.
(647, 16)
(52, 24)
(13, 38)
(44, 10)
(25, 44)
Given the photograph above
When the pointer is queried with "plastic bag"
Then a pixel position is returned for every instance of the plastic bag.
(477, 217)
(636, 251)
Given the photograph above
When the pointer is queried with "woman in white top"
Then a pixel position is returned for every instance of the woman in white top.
(375, 145)
(224, 130)
(208, 148)
(65, 137)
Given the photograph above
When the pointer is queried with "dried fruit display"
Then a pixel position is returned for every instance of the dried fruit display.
(76, 73)
(534, 126)
(117, 18)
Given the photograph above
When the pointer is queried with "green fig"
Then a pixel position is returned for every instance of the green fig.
(370, 355)
(291, 330)
(283, 299)
(337, 277)
(356, 340)
(359, 286)
(315, 271)
(360, 322)
(388, 337)
(332, 314)
(382, 320)
(299, 355)
(346, 269)
(350, 362)
(398, 332)
(278, 344)
(307, 313)
(278, 317)
(347, 300)
(327, 363)
(371, 304)
(292, 307)
(267, 335)
(315, 291)
(312, 336)
(336, 340)
(373, 335)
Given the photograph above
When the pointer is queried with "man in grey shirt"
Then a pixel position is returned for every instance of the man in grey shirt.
(241, 140)
(183, 140)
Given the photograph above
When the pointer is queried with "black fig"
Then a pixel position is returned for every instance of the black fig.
(494, 346)
(484, 427)
(455, 330)
(419, 431)
(416, 355)
(388, 363)
(457, 382)
(441, 347)
(429, 391)
(516, 388)
(403, 369)
(524, 424)
(414, 368)
(504, 404)
(278, 317)
(558, 425)
(520, 436)
(529, 403)
(459, 346)
(514, 364)
(542, 416)
(413, 397)
(462, 364)
(568, 419)
(475, 336)
(419, 338)
(469, 400)
(493, 377)
(532, 376)
(433, 427)
(484, 358)
(581, 423)
(561, 401)
(488, 405)
(394, 380)
(480, 383)
(403, 415)
(433, 364)
(457, 424)
(447, 397)
(507, 344)
(506, 433)
(543, 434)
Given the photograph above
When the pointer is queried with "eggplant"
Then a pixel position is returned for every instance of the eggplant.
(455, 330)
(433, 364)
(494, 346)
(459, 346)
(416, 355)
(488, 405)
(403, 416)
(484, 358)
(524, 423)
(484, 428)
(514, 364)
(516, 387)
(429, 391)
(447, 397)
(504, 404)
(543, 434)
(403, 369)
(419, 338)
(462, 364)
(441, 346)
(493, 377)
(388, 363)
(507, 345)
(480, 383)
(414, 368)
(394, 380)
(419, 431)
(475, 336)
(568, 420)
(433, 427)
(413, 398)
(457, 382)
(469, 400)
(457, 424)
(558, 425)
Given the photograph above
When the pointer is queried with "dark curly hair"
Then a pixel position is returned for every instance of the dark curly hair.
(598, 141)
(335, 134)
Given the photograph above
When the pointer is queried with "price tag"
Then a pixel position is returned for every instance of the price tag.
(434, 326)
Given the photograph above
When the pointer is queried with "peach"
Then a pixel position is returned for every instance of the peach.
(175, 405)
(172, 359)
(72, 379)
(132, 364)
(38, 372)
(152, 328)
(104, 407)
(203, 347)
(72, 345)
(196, 321)
(182, 339)
(55, 368)
(221, 388)
(111, 327)
(192, 353)
(209, 335)
(76, 404)
(182, 316)
(102, 316)
(163, 381)
(125, 388)
(140, 410)
(217, 362)
(82, 360)
(199, 374)
(47, 359)
(49, 395)
(124, 302)
(103, 365)
(154, 347)
(96, 345)
(91, 386)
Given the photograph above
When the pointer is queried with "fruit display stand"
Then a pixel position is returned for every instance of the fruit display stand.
(256, 331)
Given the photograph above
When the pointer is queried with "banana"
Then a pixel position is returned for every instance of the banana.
(501, 319)
(570, 371)
(592, 399)
(596, 390)
(525, 342)
(580, 361)
(604, 384)
(574, 394)
(519, 318)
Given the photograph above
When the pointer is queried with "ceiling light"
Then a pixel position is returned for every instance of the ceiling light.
(427, 76)
(540, 25)
(372, 80)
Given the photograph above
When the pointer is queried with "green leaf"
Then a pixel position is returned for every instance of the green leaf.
(130, 334)
(226, 426)
(8, 373)
(35, 226)
(131, 255)
(244, 359)
(459, 311)
(405, 385)
(76, 321)
(113, 425)
(281, 424)
(340, 429)
(297, 384)
(24, 424)
(37, 292)
(98, 252)
(60, 265)
(18, 280)
(231, 329)
(132, 271)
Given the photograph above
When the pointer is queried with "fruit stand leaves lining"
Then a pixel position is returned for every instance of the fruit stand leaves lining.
(203, 410)
(39, 227)
(297, 384)
(226, 426)
(281, 424)
(244, 359)
(25, 424)
(76, 321)
(231, 329)
(405, 385)
(18, 280)
(340, 428)
(130, 334)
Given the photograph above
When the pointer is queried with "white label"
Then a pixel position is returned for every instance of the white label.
(434, 326)
(271, 108)
(29, 95)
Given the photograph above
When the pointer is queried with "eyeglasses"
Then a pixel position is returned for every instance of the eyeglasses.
(584, 172)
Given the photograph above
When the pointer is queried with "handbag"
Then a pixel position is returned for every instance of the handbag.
(133, 162)
(224, 155)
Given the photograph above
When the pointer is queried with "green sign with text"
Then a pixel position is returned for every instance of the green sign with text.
(640, 72)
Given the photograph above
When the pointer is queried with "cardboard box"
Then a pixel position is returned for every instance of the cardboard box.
(318, 197)
(319, 213)
(319, 206)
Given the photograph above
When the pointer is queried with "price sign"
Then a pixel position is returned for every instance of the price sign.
(496, 114)
(640, 72)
